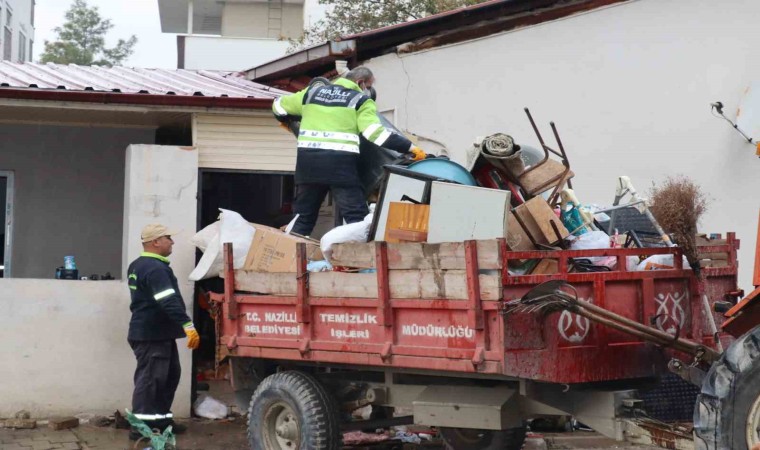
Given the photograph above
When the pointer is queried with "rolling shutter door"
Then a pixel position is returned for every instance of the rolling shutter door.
(243, 143)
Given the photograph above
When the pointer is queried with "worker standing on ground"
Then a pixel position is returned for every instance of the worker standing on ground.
(158, 319)
(332, 118)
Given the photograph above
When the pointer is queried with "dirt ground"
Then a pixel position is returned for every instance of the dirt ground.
(231, 435)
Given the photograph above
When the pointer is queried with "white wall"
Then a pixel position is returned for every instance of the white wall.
(233, 54)
(262, 20)
(66, 349)
(161, 186)
(629, 87)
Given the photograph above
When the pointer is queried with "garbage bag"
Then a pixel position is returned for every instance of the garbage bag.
(232, 228)
(591, 241)
(208, 407)
(353, 232)
(203, 238)
(660, 262)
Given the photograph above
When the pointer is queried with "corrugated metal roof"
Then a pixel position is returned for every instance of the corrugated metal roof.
(163, 82)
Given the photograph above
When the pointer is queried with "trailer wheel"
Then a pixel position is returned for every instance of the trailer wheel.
(727, 413)
(471, 439)
(292, 411)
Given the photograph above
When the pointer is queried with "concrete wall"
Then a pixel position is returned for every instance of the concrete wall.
(154, 194)
(629, 87)
(66, 346)
(223, 53)
(261, 20)
(69, 191)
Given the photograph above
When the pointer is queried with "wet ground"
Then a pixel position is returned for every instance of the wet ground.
(231, 435)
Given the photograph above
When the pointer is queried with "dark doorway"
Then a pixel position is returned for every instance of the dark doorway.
(262, 198)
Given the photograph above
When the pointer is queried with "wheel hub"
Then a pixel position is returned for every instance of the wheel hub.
(282, 428)
(753, 423)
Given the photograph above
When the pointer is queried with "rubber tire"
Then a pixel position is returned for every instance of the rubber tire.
(315, 409)
(511, 439)
(728, 392)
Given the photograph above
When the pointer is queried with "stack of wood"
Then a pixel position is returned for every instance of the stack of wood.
(416, 271)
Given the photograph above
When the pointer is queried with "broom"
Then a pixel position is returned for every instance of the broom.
(678, 205)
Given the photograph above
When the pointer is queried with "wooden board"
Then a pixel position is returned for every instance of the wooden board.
(405, 284)
(544, 177)
(413, 255)
(537, 216)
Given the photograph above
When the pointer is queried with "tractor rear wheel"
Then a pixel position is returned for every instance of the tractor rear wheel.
(727, 414)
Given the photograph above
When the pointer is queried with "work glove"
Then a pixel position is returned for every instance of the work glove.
(193, 339)
(417, 153)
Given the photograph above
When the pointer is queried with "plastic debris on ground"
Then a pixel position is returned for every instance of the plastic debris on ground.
(360, 438)
(158, 441)
(210, 408)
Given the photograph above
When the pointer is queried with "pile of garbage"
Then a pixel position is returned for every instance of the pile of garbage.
(505, 190)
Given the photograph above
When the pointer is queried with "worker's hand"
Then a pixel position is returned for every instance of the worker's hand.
(193, 339)
(285, 127)
(418, 153)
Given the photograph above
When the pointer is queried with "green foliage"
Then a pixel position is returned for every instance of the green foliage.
(356, 16)
(81, 40)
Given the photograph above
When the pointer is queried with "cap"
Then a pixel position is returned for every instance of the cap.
(155, 231)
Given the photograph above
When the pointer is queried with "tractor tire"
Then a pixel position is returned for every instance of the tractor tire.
(292, 411)
(727, 413)
(471, 439)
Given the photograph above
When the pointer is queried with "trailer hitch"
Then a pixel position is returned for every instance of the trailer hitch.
(558, 295)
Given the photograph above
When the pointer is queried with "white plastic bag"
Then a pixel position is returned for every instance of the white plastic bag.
(353, 232)
(660, 262)
(210, 408)
(590, 241)
(232, 228)
(203, 238)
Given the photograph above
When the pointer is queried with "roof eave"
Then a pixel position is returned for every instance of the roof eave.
(304, 60)
(135, 99)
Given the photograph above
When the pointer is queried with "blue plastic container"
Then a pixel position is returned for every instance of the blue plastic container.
(444, 169)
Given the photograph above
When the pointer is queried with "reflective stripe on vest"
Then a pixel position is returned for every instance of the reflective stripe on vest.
(324, 145)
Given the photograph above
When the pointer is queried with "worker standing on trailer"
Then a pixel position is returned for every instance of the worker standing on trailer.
(332, 118)
(158, 319)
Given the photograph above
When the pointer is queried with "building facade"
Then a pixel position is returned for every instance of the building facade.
(231, 35)
(17, 24)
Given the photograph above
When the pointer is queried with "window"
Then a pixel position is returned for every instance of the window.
(31, 50)
(21, 47)
(8, 17)
(32, 18)
(7, 44)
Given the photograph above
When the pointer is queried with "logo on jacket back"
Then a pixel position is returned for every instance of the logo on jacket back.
(332, 94)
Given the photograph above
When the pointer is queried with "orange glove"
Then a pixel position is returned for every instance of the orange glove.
(418, 153)
(193, 339)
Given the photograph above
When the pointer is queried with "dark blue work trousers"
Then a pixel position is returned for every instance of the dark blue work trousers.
(309, 197)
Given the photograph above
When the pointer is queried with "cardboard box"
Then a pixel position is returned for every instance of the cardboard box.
(537, 217)
(546, 267)
(274, 251)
